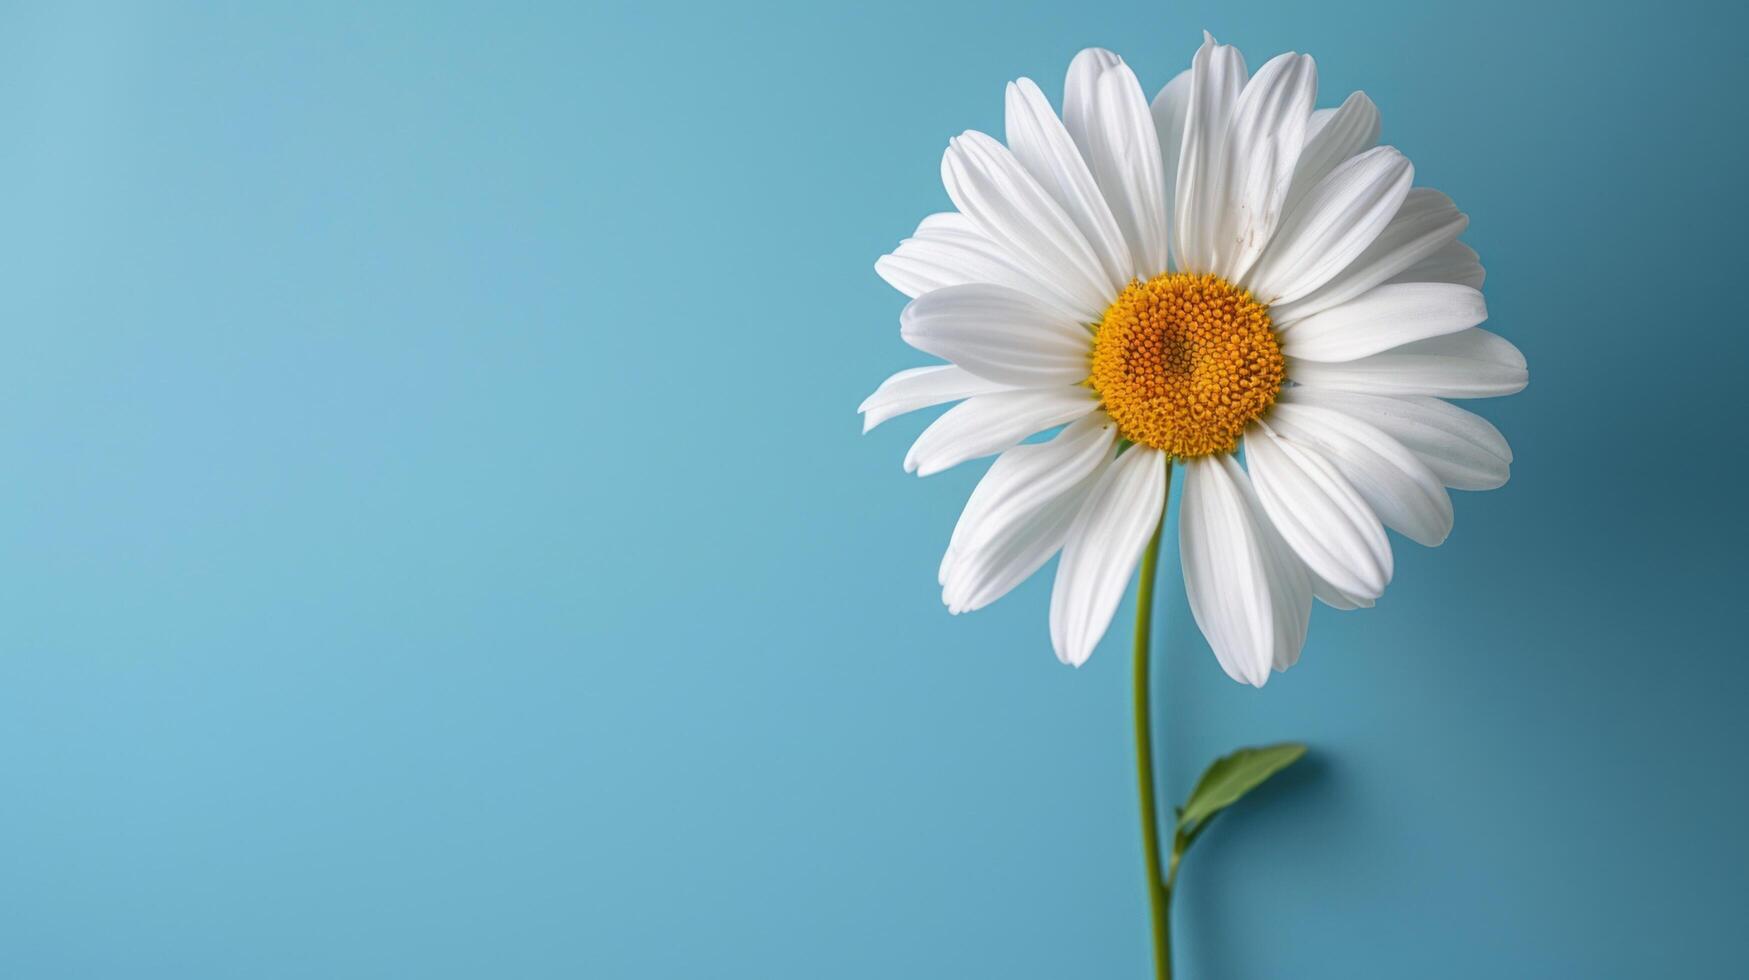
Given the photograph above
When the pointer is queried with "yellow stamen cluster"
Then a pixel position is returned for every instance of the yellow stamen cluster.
(1185, 362)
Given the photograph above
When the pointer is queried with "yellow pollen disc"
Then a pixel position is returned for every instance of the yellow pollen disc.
(1184, 362)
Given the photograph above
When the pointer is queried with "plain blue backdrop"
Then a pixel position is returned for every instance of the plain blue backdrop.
(436, 541)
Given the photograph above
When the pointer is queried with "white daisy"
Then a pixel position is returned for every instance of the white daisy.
(1225, 269)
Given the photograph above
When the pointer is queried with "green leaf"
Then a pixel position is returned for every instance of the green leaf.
(1230, 777)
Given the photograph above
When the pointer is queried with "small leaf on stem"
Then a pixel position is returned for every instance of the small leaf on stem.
(1230, 777)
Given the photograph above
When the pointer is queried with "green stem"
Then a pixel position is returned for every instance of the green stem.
(1159, 890)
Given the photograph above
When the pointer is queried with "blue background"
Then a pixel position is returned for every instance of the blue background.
(437, 540)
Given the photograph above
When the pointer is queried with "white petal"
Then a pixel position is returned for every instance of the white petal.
(921, 387)
(986, 424)
(1456, 262)
(1471, 363)
(1400, 489)
(1426, 223)
(946, 250)
(1290, 587)
(1104, 543)
(1021, 511)
(1217, 75)
(1169, 109)
(1290, 580)
(1388, 316)
(1462, 449)
(972, 580)
(989, 186)
(1319, 514)
(1124, 153)
(1335, 598)
(1250, 597)
(945, 223)
(1335, 223)
(1332, 137)
(1001, 334)
(1264, 141)
(1079, 88)
(1044, 148)
(1030, 472)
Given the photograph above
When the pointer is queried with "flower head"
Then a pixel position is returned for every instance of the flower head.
(1225, 271)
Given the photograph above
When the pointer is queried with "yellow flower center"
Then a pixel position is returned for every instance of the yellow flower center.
(1185, 362)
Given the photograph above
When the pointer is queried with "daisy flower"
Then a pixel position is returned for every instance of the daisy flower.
(1224, 273)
